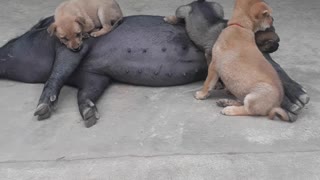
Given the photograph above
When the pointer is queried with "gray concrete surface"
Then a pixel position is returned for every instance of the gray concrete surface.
(162, 133)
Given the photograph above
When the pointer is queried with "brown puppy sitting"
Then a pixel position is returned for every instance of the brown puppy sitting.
(76, 18)
(259, 90)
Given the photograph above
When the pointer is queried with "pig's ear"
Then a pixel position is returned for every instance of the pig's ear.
(52, 29)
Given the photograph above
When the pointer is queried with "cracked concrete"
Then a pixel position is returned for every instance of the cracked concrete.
(162, 133)
(243, 166)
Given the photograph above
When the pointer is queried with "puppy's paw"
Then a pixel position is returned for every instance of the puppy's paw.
(227, 102)
(86, 35)
(94, 34)
(221, 103)
(171, 19)
(166, 19)
(200, 95)
(227, 111)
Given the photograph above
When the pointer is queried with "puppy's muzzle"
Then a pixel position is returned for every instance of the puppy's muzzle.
(77, 49)
(272, 20)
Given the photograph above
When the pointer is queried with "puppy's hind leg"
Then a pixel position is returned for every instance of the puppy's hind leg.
(209, 84)
(105, 21)
(235, 111)
(258, 103)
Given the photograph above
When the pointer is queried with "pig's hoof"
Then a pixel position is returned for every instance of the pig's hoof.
(292, 117)
(90, 114)
(43, 111)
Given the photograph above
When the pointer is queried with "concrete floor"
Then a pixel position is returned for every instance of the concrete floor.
(162, 133)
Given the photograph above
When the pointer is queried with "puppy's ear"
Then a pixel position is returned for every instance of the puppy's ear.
(265, 13)
(259, 10)
(52, 29)
(81, 21)
(183, 11)
(218, 9)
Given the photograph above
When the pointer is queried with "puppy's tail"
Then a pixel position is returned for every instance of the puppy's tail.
(279, 112)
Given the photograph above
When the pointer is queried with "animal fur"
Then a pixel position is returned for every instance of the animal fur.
(259, 91)
(75, 18)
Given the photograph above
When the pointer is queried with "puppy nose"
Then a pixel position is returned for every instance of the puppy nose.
(271, 23)
(76, 49)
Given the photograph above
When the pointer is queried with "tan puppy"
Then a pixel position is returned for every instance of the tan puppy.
(76, 18)
(242, 67)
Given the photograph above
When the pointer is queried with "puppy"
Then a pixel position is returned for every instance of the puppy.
(259, 91)
(204, 22)
(75, 18)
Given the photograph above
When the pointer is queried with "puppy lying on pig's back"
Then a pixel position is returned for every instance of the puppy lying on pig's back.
(75, 18)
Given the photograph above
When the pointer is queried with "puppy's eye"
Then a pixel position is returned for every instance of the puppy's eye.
(64, 39)
(78, 34)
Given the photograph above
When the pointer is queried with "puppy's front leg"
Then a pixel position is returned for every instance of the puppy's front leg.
(219, 85)
(208, 56)
(105, 29)
(209, 84)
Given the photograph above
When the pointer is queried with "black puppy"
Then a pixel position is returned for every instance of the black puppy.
(204, 21)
